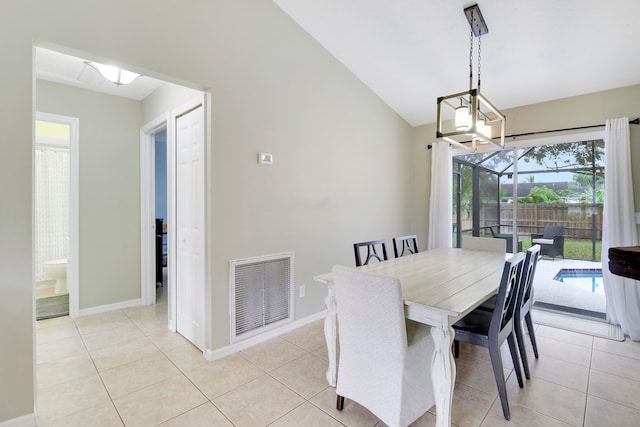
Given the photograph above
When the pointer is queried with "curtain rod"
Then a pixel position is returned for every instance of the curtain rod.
(635, 121)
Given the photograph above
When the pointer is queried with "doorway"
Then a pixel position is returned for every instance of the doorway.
(185, 131)
(56, 215)
(548, 194)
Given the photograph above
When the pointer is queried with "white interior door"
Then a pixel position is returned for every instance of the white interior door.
(190, 239)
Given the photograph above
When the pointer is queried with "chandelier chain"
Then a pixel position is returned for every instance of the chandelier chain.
(479, 58)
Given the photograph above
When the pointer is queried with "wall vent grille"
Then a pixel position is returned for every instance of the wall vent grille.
(261, 294)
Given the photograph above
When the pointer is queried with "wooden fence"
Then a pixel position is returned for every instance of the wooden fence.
(582, 220)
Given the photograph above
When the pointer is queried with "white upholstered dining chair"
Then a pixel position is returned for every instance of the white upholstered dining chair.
(385, 361)
(484, 244)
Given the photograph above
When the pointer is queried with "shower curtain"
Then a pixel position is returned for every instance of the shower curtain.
(51, 206)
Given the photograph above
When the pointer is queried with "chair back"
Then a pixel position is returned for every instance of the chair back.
(484, 244)
(371, 322)
(551, 231)
(372, 251)
(507, 298)
(405, 245)
(528, 273)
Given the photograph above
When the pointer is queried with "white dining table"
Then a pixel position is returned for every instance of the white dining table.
(439, 287)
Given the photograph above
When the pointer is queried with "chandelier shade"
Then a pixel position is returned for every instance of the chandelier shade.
(467, 119)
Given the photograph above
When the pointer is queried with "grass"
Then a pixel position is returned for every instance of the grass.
(574, 249)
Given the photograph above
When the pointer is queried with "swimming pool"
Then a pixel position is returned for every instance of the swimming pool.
(586, 278)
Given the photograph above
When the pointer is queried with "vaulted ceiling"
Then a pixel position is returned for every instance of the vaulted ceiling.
(409, 52)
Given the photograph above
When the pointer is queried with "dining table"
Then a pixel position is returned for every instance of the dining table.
(439, 287)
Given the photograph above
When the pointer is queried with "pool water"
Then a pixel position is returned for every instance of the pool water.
(587, 278)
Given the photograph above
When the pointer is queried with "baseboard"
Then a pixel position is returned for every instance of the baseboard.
(29, 420)
(238, 346)
(109, 307)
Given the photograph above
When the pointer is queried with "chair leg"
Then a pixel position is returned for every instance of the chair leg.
(532, 335)
(340, 402)
(515, 359)
(498, 373)
(523, 352)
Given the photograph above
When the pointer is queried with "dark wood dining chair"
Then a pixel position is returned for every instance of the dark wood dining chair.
(405, 245)
(372, 251)
(490, 329)
(523, 308)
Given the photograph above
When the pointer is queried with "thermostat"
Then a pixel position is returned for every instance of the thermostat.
(265, 158)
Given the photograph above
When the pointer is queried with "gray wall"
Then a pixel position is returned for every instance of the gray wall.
(340, 153)
(109, 184)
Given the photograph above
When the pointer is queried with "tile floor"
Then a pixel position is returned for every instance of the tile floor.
(125, 368)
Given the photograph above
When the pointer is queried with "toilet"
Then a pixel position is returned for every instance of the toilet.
(57, 269)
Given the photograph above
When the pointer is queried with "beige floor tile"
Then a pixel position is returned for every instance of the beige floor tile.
(136, 375)
(159, 402)
(63, 370)
(206, 415)
(102, 322)
(122, 353)
(309, 337)
(623, 366)
(572, 353)
(112, 336)
(100, 416)
(166, 340)
(59, 349)
(614, 388)
(559, 372)
(622, 348)
(322, 352)
(470, 405)
(55, 321)
(564, 336)
(601, 412)
(258, 403)
(478, 374)
(520, 417)
(550, 399)
(272, 354)
(353, 414)
(186, 357)
(220, 376)
(54, 333)
(306, 415)
(305, 375)
(73, 396)
(427, 420)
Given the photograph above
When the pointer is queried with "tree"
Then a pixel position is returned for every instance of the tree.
(541, 195)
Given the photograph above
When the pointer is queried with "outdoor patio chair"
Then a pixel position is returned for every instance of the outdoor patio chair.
(551, 241)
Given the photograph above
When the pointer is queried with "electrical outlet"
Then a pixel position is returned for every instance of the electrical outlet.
(302, 291)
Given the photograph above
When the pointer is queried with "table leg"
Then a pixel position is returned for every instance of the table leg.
(331, 336)
(443, 373)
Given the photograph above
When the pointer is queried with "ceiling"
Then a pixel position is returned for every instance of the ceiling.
(410, 52)
(70, 70)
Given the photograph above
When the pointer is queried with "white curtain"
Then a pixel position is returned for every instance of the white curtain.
(619, 228)
(440, 202)
(51, 207)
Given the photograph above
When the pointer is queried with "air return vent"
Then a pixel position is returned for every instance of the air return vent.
(261, 294)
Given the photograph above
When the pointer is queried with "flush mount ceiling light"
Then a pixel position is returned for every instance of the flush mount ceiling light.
(114, 74)
(469, 114)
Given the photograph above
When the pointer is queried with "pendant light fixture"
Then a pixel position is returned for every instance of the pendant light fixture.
(467, 119)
